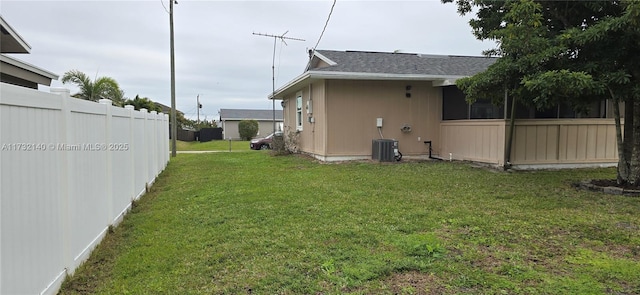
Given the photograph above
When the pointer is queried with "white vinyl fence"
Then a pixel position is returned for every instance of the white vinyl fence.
(69, 169)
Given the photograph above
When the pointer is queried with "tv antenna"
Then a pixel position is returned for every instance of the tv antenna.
(273, 68)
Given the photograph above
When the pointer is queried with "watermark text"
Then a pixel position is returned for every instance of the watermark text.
(65, 147)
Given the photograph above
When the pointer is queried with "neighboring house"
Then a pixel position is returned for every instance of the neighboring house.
(165, 109)
(14, 71)
(335, 107)
(229, 119)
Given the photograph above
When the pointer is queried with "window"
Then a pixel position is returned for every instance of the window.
(484, 109)
(299, 111)
(456, 107)
(563, 111)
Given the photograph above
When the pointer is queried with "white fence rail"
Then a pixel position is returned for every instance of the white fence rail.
(69, 169)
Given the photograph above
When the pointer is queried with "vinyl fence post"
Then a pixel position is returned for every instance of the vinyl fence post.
(165, 126)
(145, 147)
(131, 151)
(108, 157)
(154, 142)
(65, 135)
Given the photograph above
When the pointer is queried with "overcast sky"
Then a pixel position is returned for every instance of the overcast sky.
(217, 55)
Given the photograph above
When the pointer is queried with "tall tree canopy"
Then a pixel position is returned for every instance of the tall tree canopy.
(572, 52)
(94, 90)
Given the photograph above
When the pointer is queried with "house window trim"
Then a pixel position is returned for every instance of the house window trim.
(299, 103)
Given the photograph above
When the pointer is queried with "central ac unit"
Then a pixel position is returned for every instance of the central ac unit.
(383, 150)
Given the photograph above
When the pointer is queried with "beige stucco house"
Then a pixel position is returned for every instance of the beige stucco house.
(230, 118)
(334, 108)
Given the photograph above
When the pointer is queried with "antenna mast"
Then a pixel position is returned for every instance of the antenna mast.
(273, 68)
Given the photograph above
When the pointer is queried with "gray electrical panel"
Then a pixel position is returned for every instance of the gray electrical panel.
(383, 150)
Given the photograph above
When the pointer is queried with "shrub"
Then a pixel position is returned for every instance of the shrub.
(278, 145)
(291, 143)
(248, 129)
(282, 145)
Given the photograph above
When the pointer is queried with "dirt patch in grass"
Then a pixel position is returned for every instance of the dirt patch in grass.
(487, 259)
(415, 283)
(623, 289)
(616, 251)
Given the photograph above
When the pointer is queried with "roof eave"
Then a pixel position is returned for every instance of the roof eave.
(380, 76)
(438, 80)
(14, 41)
(278, 94)
(260, 119)
(28, 67)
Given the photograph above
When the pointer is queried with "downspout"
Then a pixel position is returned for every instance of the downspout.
(512, 123)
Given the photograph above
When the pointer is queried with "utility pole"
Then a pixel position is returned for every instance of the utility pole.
(174, 121)
(199, 107)
(273, 69)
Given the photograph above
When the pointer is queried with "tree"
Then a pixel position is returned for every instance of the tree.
(146, 103)
(204, 124)
(564, 51)
(183, 123)
(143, 103)
(248, 129)
(94, 90)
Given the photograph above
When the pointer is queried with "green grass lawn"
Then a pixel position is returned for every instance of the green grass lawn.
(248, 222)
(214, 145)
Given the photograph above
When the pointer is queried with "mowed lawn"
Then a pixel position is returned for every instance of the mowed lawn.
(213, 145)
(252, 223)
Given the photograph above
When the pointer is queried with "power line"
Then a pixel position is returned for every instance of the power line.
(191, 112)
(323, 29)
(325, 25)
(165, 8)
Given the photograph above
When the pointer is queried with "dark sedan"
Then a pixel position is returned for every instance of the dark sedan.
(263, 143)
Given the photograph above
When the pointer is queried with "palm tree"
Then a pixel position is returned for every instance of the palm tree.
(99, 88)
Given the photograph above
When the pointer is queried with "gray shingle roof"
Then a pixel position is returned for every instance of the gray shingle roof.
(240, 114)
(404, 63)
